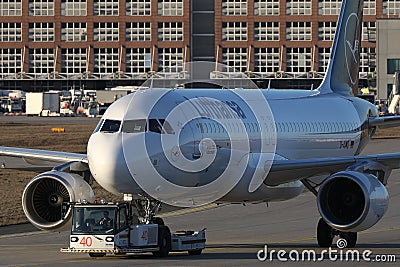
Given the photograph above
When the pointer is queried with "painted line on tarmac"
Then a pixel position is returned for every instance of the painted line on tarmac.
(191, 210)
(380, 231)
(23, 234)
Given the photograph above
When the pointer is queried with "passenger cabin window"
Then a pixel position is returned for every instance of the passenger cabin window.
(134, 126)
(110, 126)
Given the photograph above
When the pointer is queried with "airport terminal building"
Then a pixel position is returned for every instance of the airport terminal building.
(60, 44)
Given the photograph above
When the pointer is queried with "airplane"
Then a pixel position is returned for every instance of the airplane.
(187, 148)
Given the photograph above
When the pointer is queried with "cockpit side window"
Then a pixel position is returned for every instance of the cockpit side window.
(160, 126)
(166, 127)
(134, 126)
(110, 126)
(154, 126)
(98, 126)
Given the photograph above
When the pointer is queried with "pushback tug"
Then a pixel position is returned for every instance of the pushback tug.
(113, 228)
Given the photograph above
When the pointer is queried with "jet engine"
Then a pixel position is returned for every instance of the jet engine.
(44, 195)
(352, 201)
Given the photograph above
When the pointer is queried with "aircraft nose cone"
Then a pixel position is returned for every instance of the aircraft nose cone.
(107, 163)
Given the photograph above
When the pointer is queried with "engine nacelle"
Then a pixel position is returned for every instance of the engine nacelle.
(352, 201)
(43, 197)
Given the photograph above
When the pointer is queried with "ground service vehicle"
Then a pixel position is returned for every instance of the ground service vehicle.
(113, 228)
(42, 104)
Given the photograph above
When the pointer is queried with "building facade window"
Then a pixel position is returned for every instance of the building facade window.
(10, 32)
(73, 60)
(170, 59)
(367, 61)
(266, 7)
(329, 7)
(235, 58)
(298, 7)
(170, 7)
(106, 32)
(391, 7)
(41, 60)
(73, 8)
(389, 88)
(138, 60)
(266, 31)
(41, 7)
(105, 7)
(41, 32)
(138, 31)
(266, 60)
(393, 65)
(105, 60)
(369, 7)
(326, 30)
(234, 31)
(323, 58)
(234, 7)
(298, 31)
(298, 59)
(170, 31)
(369, 31)
(11, 59)
(73, 32)
(138, 7)
(10, 7)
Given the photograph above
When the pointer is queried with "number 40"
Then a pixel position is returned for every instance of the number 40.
(86, 241)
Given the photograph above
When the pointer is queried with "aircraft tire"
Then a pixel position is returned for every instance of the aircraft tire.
(324, 234)
(164, 241)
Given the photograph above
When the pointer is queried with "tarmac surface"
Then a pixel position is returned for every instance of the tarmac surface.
(47, 120)
(235, 234)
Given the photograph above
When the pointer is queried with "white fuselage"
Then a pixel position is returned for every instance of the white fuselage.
(299, 124)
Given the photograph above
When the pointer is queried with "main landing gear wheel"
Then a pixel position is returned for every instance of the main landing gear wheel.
(324, 234)
(350, 237)
(164, 241)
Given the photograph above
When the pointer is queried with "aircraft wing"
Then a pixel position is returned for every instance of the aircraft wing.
(284, 171)
(34, 159)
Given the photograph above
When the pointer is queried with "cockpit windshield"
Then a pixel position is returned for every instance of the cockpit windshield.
(110, 126)
(134, 126)
(98, 126)
(160, 126)
(93, 220)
